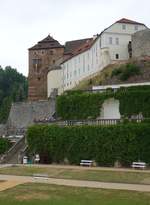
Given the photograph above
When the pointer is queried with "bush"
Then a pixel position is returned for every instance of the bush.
(4, 145)
(126, 71)
(116, 72)
(124, 142)
(130, 70)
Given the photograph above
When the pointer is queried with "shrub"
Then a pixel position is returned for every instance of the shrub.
(4, 145)
(124, 142)
(126, 71)
(116, 72)
(130, 70)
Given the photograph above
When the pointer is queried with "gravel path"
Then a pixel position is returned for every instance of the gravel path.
(90, 168)
(80, 167)
(12, 181)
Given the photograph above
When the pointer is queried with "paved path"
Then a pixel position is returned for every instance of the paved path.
(79, 167)
(15, 180)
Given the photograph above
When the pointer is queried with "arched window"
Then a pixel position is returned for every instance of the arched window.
(117, 56)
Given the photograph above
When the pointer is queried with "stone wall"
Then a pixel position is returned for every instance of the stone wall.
(2, 129)
(24, 114)
(141, 43)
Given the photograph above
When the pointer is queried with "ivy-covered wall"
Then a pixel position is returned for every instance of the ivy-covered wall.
(83, 105)
(105, 145)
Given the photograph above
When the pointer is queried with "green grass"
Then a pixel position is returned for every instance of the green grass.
(81, 174)
(44, 194)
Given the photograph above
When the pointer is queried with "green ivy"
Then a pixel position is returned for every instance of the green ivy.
(105, 145)
(84, 105)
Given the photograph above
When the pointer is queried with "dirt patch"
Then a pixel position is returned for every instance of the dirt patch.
(32, 196)
(146, 181)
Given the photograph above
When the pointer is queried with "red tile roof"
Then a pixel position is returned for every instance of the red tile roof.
(80, 49)
(71, 46)
(128, 21)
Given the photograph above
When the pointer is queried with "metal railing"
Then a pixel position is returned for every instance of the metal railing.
(13, 150)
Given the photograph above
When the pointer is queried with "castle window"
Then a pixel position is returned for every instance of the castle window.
(117, 56)
(117, 41)
(36, 61)
(51, 52)
(123, 27)
(79, 71)
(110, 40)
(75, 73)
(53, 61)
(136, 28)
(79, 59)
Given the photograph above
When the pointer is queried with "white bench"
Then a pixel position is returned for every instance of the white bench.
(141, 165)
(40, 176)
(86, 162)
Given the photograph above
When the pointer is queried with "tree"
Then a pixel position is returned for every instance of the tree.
(13, 88)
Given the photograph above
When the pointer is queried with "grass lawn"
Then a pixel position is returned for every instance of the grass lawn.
(43, 194)
(81, 174)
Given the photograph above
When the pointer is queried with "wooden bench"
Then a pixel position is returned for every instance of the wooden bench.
(40, 176)
(86, 163)
(141, 165)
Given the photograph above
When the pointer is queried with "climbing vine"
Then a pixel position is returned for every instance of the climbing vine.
(84, 105)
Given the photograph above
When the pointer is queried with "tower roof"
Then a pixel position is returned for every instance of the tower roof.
(47, 43)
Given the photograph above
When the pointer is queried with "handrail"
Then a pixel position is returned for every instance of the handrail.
(13, 149)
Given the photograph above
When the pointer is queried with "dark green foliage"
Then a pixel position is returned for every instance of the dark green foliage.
(134, 100)
(4, 145)
(13, 88)
(129, 71)
(116, 72)
(105, 145)
(81, 105)
(126, 71)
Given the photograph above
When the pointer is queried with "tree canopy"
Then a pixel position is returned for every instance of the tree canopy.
(13, 88)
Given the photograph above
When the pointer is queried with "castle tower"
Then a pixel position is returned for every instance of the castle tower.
(41, 57)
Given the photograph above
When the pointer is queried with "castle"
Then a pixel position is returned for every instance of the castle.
(54, 66)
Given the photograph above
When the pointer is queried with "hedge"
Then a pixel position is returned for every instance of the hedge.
(83, 105)
(105, 145)
(4, 145)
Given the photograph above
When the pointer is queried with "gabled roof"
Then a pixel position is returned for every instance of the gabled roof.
(128, 21)
(47, 43)
(71, 46)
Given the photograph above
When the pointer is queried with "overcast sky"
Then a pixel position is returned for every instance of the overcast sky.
(25, 22)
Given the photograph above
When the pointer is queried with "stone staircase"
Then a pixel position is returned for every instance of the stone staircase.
(16, 153)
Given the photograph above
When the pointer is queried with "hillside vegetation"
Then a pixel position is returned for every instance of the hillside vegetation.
(130, 72)
(13, 88)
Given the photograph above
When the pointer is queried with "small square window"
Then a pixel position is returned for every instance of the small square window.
(123, 26)
(51, 52)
